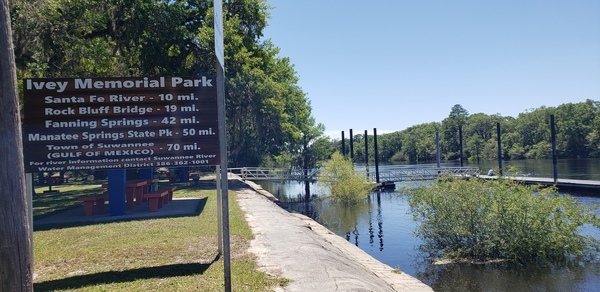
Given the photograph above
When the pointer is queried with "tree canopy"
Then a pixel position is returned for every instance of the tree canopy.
(268, 114)
(525, 137)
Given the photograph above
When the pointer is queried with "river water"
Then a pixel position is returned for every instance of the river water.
(383, 227)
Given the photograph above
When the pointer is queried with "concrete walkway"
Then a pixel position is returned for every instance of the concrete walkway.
(296, 247)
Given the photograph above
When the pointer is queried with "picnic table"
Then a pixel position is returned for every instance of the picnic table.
(135, 189)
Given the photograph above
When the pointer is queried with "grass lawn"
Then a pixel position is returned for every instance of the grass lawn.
(170, 254)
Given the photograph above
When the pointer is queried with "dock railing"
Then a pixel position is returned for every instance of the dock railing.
(262, 173)
(422, 173)
(389, 175)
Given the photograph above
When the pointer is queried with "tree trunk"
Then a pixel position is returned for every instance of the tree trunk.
(16, 263)
(305, 159)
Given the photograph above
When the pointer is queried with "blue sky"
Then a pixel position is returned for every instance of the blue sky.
(393, 64)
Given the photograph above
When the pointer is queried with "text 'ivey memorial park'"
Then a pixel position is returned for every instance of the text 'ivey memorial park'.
(117, 123)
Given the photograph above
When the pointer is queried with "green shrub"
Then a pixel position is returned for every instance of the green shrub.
(345, 185)
(501, 219)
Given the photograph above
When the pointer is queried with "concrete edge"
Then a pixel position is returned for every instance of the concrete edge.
(257, 188)
(399, 281)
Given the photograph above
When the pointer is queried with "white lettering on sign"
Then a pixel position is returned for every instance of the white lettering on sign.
(52, 137)
(132, 110)
(204, 82)
(124, 98)
(128, 152)
(123, 122)
(71, 124)
(83, 123)
(64, 154)
(50, 85)
(88, 110)
(62, 147)
(58, 112)
(102, 135)
(89, 83)
(124, 145)
(140, 134)
(72, 99)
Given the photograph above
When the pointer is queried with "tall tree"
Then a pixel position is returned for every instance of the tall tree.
(157, 37)
(451, 127)
(16, 263)
(482, 125)
(574, 123)
(389, 145)
(418, 142)
(459, 114)
(533, 127)
(593, 138)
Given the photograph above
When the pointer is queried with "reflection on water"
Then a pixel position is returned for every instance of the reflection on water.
(383, 227)
(505, 277)
(585, 168)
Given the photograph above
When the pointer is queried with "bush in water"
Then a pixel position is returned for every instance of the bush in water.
(346, 186)
(501, 219)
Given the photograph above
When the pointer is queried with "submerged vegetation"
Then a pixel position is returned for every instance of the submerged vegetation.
(479, 220)
(346, 185)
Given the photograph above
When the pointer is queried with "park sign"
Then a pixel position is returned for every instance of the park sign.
(118, 123)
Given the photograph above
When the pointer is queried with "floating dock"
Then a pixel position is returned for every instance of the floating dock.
(588, 186)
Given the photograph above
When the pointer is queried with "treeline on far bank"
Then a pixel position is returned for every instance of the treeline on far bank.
(528, 136)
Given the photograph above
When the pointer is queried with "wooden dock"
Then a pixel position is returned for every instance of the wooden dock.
(565, 184)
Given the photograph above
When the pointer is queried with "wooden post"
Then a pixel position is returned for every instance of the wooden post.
(343, 144)
(16, 261)
(437, 147)
(376, 155)
(460, 142)
(367, 153)
(554, 157)
(499, 148)
(351, 146)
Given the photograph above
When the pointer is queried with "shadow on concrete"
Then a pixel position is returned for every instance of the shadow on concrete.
(82, 281)
(236, 185)
(178, 207)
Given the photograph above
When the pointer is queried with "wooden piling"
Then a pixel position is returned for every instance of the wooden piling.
(376, 155)
(554, 157)
(351, 146)
(343, 145)
(499, 148)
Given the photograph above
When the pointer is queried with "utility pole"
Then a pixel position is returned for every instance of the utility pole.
(16, 258)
